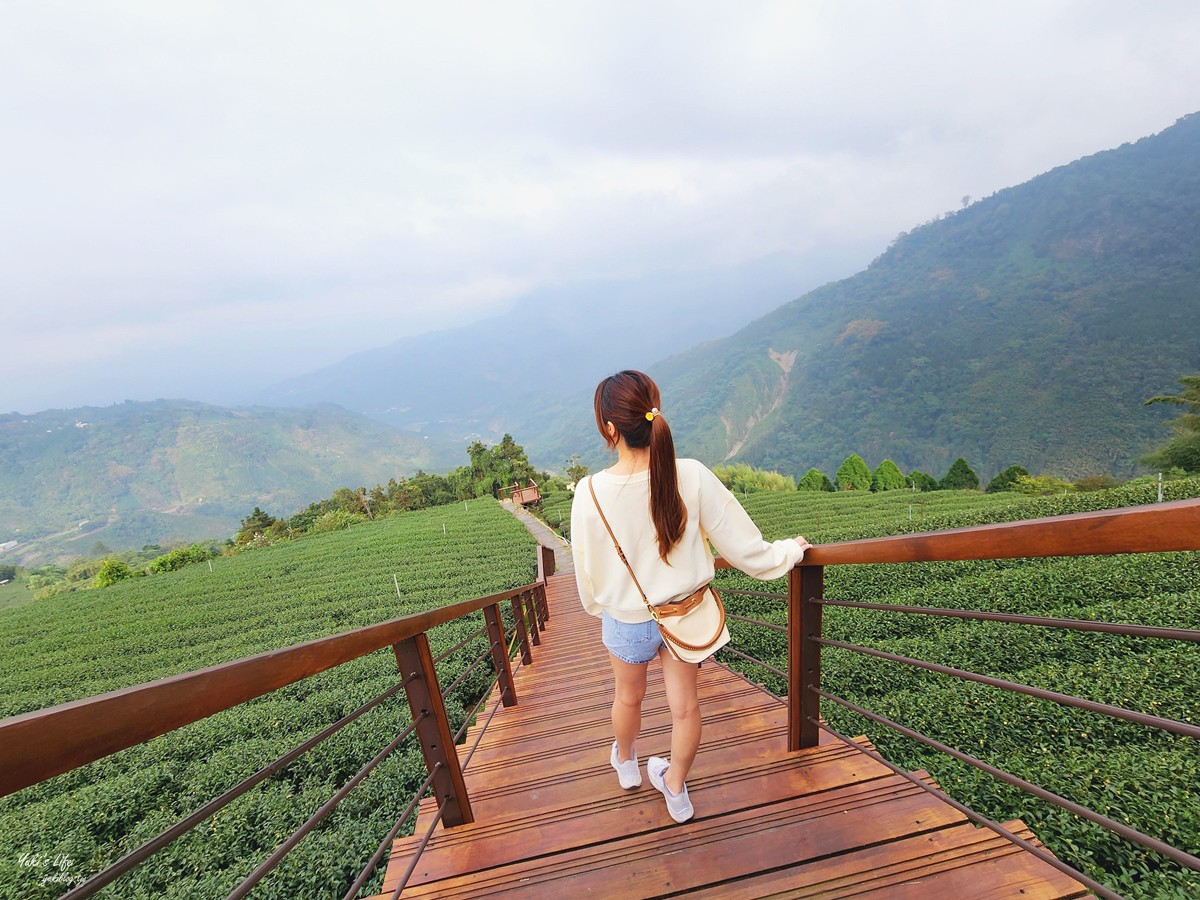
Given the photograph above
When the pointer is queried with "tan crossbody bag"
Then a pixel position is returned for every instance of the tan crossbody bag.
(697, 622)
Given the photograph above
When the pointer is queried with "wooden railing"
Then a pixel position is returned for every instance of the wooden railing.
(1158, 528)
(522, 496)
(38, 745)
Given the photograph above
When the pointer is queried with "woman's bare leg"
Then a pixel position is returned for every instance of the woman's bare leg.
(680, 679)
(630, 688)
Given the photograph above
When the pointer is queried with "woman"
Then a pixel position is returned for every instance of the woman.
(663, 512)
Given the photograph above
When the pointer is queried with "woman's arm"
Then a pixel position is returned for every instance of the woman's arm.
(738, 539)
(579, 556)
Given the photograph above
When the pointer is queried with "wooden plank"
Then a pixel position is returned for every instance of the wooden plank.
(713, 850)
(961, 862)
(554, 816)
(511, 761)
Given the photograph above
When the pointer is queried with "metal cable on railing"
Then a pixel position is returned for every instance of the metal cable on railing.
(326, 808)
(1132, 834)
(730, 650)
(377, 856)
(148, 849)
(381, 850)
(39, 745)
(764, 595)
(1041, 854)
(512, 650)
(757, 622)
(416, 856)
(297, 836)
(1151, 631)
(465, 674)
(758, 662)
(475, 710)
(1151, 529)
(1115, 712)
(468, 639)
(482, 732)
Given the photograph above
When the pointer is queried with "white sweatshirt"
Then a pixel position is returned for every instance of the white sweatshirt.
(712, 511)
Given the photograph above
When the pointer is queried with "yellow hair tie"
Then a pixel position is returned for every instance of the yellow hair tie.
(650, 415)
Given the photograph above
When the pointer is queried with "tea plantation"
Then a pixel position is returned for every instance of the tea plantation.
(1142, 777)
(139, 630)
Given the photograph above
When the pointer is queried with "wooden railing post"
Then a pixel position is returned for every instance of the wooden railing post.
(518, 608)
(495, 627)
(805, 583)
(535, 629)
(545, 563)
(433, 728)
(545, 568)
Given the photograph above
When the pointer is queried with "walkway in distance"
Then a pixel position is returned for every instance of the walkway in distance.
(551, 820)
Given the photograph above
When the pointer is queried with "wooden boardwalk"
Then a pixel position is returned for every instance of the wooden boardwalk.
(551, 820)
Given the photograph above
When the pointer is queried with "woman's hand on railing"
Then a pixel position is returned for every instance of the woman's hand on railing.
(804, 544)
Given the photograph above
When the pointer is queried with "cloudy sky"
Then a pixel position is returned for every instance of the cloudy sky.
(202, 196)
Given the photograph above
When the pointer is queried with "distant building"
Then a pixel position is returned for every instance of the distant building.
(7, 545)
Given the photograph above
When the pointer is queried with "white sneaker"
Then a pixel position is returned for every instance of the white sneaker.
(678, 805)
(627, 772)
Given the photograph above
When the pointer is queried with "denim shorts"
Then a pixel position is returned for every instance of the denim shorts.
(632, 643)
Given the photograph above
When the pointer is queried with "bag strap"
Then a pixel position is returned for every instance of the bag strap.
(620, 552)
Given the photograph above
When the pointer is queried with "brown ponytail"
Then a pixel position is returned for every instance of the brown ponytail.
(625, 399)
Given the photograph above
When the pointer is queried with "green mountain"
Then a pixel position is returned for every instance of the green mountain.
(1027, 328)
(170, 470)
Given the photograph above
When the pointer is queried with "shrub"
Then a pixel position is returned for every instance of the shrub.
(853, 474)
(1006, 479)
(1096, 483)
(815, 480)
(922, 481)
(745, 479)
(111, 571)
(887, 477)
(180, 557)
(1037, 485)
(336, 520)
(961, 477)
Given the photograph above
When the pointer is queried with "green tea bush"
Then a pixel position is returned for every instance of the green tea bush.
(555, 511)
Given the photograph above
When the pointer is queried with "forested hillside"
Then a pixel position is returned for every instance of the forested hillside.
(169, 470)
(1026, 328)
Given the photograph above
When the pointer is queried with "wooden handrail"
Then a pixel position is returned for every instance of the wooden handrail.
(38, 745)
(1155, 528)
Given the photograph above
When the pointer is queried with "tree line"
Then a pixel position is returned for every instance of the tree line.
(1178, 457)
(490, 471)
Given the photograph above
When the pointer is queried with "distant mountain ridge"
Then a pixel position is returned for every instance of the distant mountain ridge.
(476, 381)
(148, 472)
(1027, 328)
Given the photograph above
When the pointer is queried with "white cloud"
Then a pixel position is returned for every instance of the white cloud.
(314, 179)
